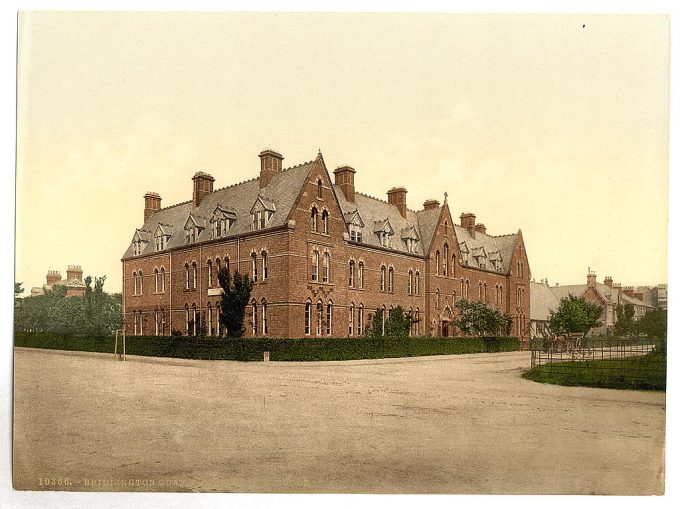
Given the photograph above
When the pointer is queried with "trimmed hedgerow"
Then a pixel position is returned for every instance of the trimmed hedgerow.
(252, 349)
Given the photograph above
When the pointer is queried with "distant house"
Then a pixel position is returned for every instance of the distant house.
(73, 282)
(545, 298)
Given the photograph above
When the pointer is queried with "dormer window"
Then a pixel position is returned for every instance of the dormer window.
(385, 239)
(384, 231)
(222, 220)
(355, 226)
(137, 248)
(261, 212)
(193, 228)
(410, 237)
(139, 241)
(191, 234)
(162, 236)
(355, 233)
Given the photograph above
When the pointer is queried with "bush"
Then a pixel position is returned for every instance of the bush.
(308, 349)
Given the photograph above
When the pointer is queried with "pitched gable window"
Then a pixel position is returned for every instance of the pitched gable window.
(222, 220)
(355, 233)
(319, 189)
(351, 273)
(315, 220)
(261, 212)
(383, 274)
(315, 266)
(326, 267)
(360, 275)
(384, 231)
(390, 280)
(445, 265)
(324, 221)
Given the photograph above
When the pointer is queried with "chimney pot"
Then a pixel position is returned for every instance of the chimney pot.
(479, 227)
(344, 177)
(203, 186)
(152, 203)
(431, 204)
(397, 196)
(270, 164)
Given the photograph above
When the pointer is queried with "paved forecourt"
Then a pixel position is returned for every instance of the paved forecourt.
(445, 424)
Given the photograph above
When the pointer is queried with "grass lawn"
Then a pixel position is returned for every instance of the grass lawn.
(647, 372)
(308, 349)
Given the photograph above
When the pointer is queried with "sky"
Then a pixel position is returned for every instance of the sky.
(555, 124)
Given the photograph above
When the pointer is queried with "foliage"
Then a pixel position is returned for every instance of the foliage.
(397, 324)
(575, 315)
(478, 319)
(97, 313)
(654, 324)
(308, 349)
(236, 294)
(18, 290)
(624, 325)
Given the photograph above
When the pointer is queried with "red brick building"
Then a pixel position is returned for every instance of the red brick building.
(73, 282)
(323, 257)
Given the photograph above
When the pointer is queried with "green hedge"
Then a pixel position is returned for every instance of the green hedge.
(308, 349)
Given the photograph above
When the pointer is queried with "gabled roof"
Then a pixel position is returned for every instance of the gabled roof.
(543, 300)
(283, 189)
(163, 229)
(383, 226)
(263, 203)
(483, 247)
(223, 211)
(410, 232)
(427, 223)
(354, 218)
(194, 220)
(372, 211)
(141, 235)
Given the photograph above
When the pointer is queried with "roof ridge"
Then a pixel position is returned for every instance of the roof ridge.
(297, 166)
(371, 197)
(234, 185)
(175, 205)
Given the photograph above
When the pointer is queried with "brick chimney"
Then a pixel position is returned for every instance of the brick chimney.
(270, 165)
(152, 203)
(431, 204)
(591, 279)
(608, 281)
(397, 196)
(344, 177)
(467, 220)
(639, 296)
(74, 272)
(203, 186)
(479, 227)
(53, 276)
(629, 290)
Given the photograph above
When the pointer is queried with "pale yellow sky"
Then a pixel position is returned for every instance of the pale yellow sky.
(529, 121)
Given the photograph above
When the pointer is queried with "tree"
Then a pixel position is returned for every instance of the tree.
(18, 290)
(654, 324)
(478, 319)
(624, 320)
(236, 294)
(397, 324)
(575, 315)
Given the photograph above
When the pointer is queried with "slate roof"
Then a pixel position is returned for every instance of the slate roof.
(611, 295)
(427, 222)
(240, 198)
(376, 212)
(484, 249)
(542, 301)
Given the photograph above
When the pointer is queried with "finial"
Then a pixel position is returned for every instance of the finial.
(446, 195)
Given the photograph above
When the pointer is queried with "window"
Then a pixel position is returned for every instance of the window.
(315, 219)
(210, 320)
(265, 329)
(255, 220)
(134, 283)
(390, 280)
(319, 189)
(453, 266)
(436, 263)
(518, 275)
(445, 265)
(329, 318)
(480, 291)
(136, 248)
(210, 274)
(351, 273)
(410, 321)
(217, 321)
(484, 291)
(326, 267)
(253, 259)
(385, 239)
(436, 299)
(308, 317)
(351, 319)
(155, 278)
(254, 318)
(162, 279)
(498, 300)
(319, 317)
(417, 283)
(141, 282)
(360, 277)
(186, 276)
(410, 283)
(315, 266)
(264, 265)
(467, 288)
(263, 219)
(382, 278)
(186, 318)
(193, 320)
(194, 274)
(501, 288)
(324, 221)
(360, 320)
(160, 242)
(191, 234)
(355, 233)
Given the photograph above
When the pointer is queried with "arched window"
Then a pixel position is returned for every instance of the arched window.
(360, 278)
(210, 274)
(326, 267)
(498, 300)
(351, 319)
(265, 272)
(410, 282)
(390, 280)
(315, 265)
(141, 282)
(265, 329)
(382, 278)
(518, 265)
(253, 267)
(462, 288)
(186, 318)
(436, 262)
(315, 219)
(254, 317)
(161, 326)
(417, 283)
(383, 318)
(480, 291)
(163, 280)
(194, 273)
(467, 288)
(360, 320)
(218, 266)
(155, 279)
(319, 317)
(453, 265)
(210, 319)
(501, 293)
(226, 264)
(319, 189)
(218, 312)
(193, 320)
(134, 283)
(410, 321)
(445, 264)
(324, 221)
(436, 299)
(329, 318)
(417, 321)
(308, 317)
(484, 291)
(186, 276)
(351, 273)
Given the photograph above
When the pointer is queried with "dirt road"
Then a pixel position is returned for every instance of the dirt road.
(449, 424)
